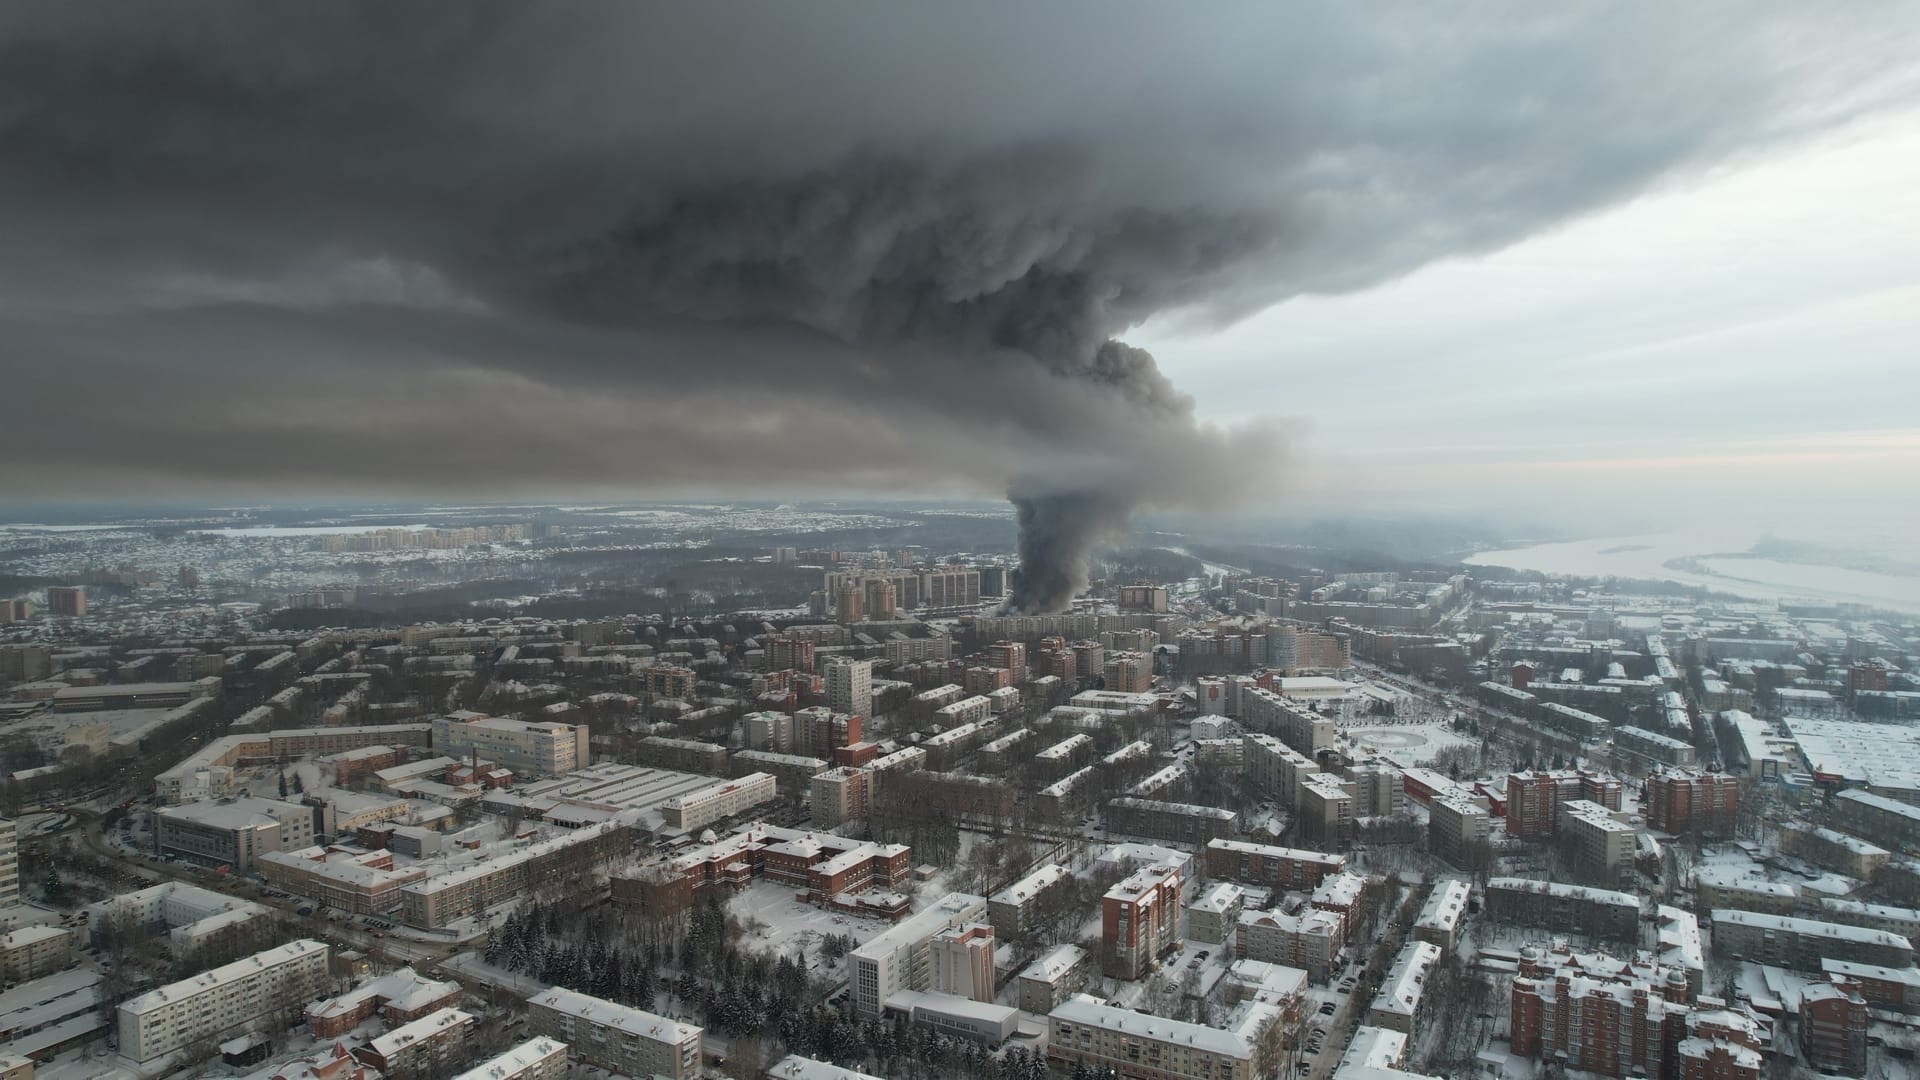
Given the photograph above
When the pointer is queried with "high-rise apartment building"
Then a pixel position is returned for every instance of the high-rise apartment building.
(1011, 655)
(1684, 802)
(70, 600)
(850, 686)
(1129, 672)
(9, 863)
(882, 600)
(1140, 921)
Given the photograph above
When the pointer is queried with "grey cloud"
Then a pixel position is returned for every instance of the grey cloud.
(901, 238)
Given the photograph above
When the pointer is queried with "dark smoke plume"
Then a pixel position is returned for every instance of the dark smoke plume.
(1057, 534)
(500, 248)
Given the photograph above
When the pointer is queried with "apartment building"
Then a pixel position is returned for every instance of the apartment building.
(688, 755)
(1692, 802)
(1596, 1013)
(1803, 943)
(1534, 798)
(530, 748)
(850, 686)
(1652, 747)
(539, 1058)
(1284, 868)
(33, 951)
(1216, 914)
(1885, 821)
(1598, 845)
(974, 710)
(1289, 721)
(616, 1038)
(233, 832)
(1324, 808)
(1833, 1027)
(1084, 1031)
(1177, 822)
(1140, 921)
(429, 1046)
(1310, 940)
(1460, 829)
(1440, 918)
(1716, 887)
(1402, 994)
(1565, 909)
(265, 985)
(1053, 978)
(1008, 909)
(900, 958)
(696, 810)
(839, 796)
(1836, 851)
(9, 863)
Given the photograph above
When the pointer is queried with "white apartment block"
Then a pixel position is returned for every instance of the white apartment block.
(850, 686)
(973, 710)
(538, 1058)
(901, 958)
(698, 809)
(1083, 1030)
(530, 748)
(225, 999)
(617, 1038)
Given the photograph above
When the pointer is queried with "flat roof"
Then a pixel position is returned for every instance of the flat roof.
(604, 1013)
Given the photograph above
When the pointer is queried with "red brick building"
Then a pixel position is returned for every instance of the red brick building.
(400, 997)
(1274, 867)
(1833, 1027)
(1534, 798)
(825, 866)
(1684, 802)
(1140, 921)
(1604, 1015)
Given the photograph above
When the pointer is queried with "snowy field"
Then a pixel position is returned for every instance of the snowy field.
(1409, 744)
(775, 921)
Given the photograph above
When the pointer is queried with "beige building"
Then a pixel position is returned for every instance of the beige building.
(615, 1037)
(1324, 808)
(530, 748)
(1459, 830)
(213, 1003)
(1599, 844)
(33, 951)
(697, 809)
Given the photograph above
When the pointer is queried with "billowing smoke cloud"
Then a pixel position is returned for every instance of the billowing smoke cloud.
(1057, 533)
(501, 246)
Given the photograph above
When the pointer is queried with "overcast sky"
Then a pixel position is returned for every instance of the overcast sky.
(1121, 254)
(1755, 329)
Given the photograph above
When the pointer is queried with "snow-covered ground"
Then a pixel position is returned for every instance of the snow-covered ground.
(775, 920)
(1409, 744)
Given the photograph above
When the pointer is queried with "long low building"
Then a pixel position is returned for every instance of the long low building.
(1176, 822)
(1295, 869)
(1570, 909)
(443, 898)
(1084, 1031)
(1804, 943)
(226, 999)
